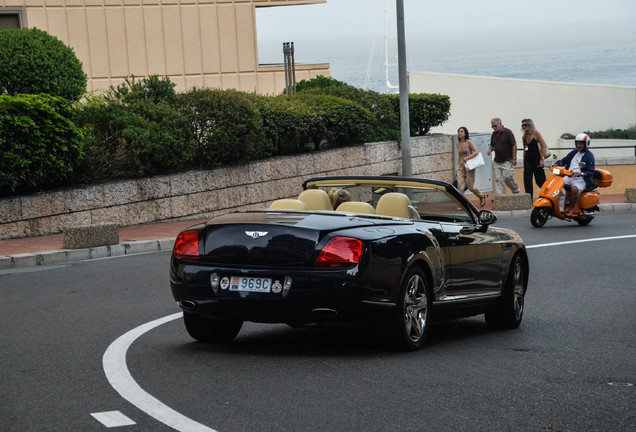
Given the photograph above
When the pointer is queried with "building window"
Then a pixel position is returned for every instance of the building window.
(11, 18)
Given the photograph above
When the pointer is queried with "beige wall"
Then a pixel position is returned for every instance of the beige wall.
(555, 107)
(203, 43)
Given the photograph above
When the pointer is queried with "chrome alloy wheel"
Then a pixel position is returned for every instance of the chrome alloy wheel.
(518, 290)
(416, 308)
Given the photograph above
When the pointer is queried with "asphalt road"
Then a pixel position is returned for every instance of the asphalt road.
(567, 368)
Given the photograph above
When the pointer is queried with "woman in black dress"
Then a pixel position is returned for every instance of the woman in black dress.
(534, 147)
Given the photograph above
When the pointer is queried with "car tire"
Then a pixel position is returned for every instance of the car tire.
(207, 330)
(539, 216)
(509, 311)
(411, 318)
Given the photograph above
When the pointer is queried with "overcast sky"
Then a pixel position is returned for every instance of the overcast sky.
(587, 41)
(359, 17)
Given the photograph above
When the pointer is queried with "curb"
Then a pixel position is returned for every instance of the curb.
(64, 256)
(57, 257)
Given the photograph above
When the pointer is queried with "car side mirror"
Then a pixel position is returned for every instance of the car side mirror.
(487, 217)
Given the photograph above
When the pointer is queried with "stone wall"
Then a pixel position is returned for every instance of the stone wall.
(202, 194)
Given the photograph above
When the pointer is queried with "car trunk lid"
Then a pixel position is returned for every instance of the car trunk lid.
(274, 238)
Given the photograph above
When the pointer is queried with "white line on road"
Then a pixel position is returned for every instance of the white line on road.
(116, 370)
(581, 241)
(112, 419)
(117, 373)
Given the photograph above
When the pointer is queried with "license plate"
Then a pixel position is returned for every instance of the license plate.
(250, 284)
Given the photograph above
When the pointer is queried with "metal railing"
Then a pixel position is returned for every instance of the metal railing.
(596, 149)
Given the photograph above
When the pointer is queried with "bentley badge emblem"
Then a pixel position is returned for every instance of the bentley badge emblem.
(256, 234)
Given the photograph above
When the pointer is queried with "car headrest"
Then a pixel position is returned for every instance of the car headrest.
(394, 204)
(288, 204)
(356, 207)
(315, 199)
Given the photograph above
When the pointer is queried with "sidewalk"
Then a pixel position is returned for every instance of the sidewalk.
(47, 250)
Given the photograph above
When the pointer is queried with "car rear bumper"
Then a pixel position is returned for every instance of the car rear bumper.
(313, 295)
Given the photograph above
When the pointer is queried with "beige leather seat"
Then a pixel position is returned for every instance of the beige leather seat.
(394, 204)
(356, 207)
(288, 204)
(315, 199)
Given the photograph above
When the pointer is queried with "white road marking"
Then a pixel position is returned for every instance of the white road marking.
(581, 241)
(112, 419)
(117, 373)
(116, 370)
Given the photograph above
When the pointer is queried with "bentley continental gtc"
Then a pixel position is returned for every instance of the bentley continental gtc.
(390, 254)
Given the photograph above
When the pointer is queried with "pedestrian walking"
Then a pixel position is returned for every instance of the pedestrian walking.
(503, 143)
(534, 149)
(466, 150)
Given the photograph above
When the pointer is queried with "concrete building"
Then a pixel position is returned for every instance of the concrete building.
(203, 43)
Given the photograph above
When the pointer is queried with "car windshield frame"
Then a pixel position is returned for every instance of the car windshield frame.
(433, 199)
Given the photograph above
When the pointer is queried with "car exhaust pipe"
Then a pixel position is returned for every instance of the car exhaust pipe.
(325, 312)
(188, 305)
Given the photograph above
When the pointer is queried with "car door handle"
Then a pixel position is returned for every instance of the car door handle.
(453, 238)
(467, 230)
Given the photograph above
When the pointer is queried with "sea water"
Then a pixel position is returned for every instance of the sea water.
(603, 53)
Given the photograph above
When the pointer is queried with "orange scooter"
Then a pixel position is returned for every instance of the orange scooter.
(547, 205)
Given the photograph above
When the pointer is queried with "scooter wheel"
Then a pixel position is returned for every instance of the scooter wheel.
(583, 221)
(539, 216)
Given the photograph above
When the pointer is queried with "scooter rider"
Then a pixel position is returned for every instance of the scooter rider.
(581, 162)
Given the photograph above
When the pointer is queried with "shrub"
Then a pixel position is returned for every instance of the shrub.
(34, 62)
(387, 121)
(226, 125)
(288, 123)
(425, 111)
(320, 82)
(133, 140)
(629, 133)
(40, 145)
(343, 122)
(152, 88)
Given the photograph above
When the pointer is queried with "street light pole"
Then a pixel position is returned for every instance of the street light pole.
(405, 142)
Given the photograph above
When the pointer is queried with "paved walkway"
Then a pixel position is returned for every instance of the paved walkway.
(47, 250)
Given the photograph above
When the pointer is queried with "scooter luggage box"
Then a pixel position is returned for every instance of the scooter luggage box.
(603, 178)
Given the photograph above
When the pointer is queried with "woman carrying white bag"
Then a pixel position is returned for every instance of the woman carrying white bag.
(469, 158)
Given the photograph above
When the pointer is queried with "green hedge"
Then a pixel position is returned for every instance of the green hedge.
(425, 111)
(34, 62)
(386, 126)
(143, 128)
(288, 123)
(341, 121)
(134, 140)
(226, 125)
(40, 145)
(629, 133)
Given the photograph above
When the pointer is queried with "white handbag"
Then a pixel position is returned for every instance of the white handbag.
(475, 162)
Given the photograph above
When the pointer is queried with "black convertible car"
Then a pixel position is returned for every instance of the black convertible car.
(393, 255)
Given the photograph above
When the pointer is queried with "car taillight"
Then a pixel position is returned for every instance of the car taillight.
(187, 245)
(340, 252)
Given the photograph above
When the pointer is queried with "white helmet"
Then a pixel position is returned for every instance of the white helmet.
(583, 138)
